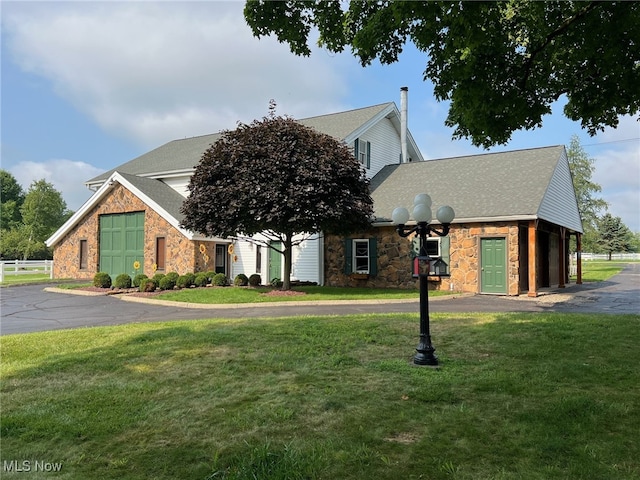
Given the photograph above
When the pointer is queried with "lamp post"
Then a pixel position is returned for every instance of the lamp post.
(422, 216)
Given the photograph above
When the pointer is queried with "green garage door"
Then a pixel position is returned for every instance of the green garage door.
(121, 243)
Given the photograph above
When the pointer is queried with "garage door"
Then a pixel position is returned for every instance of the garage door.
(121, 243)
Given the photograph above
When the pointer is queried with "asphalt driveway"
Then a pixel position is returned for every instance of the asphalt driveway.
(31, 308)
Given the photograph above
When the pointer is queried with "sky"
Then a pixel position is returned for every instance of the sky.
(87, 86)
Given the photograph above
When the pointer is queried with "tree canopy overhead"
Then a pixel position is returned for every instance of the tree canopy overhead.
(500, 64)
(278, 178)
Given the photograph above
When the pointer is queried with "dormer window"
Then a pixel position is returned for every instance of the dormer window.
(362, 152)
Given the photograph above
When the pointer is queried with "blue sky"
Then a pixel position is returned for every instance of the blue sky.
(87, 86)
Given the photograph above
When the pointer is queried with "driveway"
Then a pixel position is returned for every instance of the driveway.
(32, 308)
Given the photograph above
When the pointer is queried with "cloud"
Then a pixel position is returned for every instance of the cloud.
(154, 72)
(67, 177)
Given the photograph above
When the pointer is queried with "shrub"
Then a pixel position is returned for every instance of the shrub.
(219, 280)
(201, 280)
(148, 285)
(157, 277)
(123, 281)
(102, 280)
(255, 280)
(276, 282)
(186, 280)
(137, 280)
(173, 276)
(167, 283)
(210, 275)
(241, 280)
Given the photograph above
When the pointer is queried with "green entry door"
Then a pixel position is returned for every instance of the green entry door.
(121, 242)
(275, 261)
(493, 261)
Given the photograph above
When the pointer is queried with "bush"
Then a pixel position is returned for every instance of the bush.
(186, 280)
(123, 281)
(137, 280)
(201, 280)
(173, 276)
(241, 280)
(157, 277)
(276, 282)
(102, 280)
(255, 280)
(219, 280)
(167, 283)
(148, 285)
(210, 275)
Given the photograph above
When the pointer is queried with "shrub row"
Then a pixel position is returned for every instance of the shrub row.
(172, 280)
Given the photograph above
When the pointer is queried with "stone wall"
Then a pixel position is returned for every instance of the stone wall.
(180, 254)
(395, 262)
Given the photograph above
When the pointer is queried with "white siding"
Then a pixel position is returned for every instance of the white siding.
(385, 145)
(559, 204)
(179, 184)
(307, 260)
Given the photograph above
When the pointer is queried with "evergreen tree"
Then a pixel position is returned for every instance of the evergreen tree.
(614, 236)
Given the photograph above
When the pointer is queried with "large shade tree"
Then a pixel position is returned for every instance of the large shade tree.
(500, 64)
(280, 179)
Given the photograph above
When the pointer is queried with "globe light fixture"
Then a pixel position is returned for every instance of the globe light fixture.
(422, 215)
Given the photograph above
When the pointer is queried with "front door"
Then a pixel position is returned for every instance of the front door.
(221, 259)
(121, 243)
(493, 259)
(275, 261)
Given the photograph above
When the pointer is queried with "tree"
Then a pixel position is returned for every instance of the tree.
(614, 236)
(589, 206)
(43, 212)
(500, 64)
(281, 179)
(11, 199)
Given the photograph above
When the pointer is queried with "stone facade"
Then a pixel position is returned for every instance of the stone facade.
(182, 255)
(395, 261)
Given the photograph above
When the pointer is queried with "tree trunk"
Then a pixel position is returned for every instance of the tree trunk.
(286, 247)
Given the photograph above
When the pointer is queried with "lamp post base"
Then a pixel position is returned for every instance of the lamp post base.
(424, 352)
(421, 358)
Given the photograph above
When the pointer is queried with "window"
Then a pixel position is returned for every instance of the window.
(221, 256)
(362, 152)
(258, 259)
(84, 253)
(361, 256)
(433, 246)
(161, 253)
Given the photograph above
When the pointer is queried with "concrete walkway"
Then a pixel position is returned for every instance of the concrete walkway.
(34, 308)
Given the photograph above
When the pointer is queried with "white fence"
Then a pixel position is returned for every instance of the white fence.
(24, 267)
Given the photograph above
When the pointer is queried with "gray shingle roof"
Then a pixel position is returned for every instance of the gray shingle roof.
(478, 187)
(185, 154)
(165, 196)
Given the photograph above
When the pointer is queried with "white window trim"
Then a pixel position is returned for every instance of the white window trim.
(354, 258)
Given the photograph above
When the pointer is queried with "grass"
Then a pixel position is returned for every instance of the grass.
(312, 293)
(593, 271)
(535, 396)
(25, 278)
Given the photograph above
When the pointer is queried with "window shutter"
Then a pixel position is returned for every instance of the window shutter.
(368, 154)
(348, 256)
(356, 146)
(444, 250)
(373, 256)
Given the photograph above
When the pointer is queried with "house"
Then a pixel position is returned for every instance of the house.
(515, 212)
(134, 214)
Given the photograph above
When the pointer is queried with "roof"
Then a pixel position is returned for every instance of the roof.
(158, 195)
(517, 185)
(182, 156)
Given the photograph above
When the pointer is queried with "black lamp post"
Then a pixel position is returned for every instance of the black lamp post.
(422, 216)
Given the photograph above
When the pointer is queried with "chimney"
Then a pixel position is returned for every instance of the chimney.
(404, 92)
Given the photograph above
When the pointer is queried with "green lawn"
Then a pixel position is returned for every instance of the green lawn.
(596, 271)
(517, 396)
